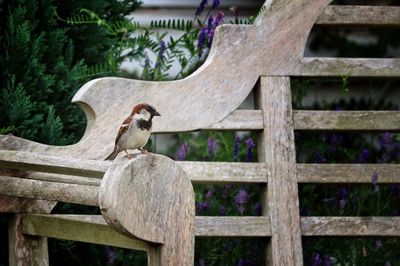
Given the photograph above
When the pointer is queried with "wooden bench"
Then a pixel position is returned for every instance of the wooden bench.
(263, 57)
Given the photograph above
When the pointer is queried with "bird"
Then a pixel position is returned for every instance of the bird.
(135, 130)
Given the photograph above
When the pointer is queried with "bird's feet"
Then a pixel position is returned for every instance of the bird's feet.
(143, 151)
(128, 155)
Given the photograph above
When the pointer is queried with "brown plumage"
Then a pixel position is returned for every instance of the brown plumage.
(135, 131)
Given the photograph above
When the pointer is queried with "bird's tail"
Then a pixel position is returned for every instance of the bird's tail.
(113, 154)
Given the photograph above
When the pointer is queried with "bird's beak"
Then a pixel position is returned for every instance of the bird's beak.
(156, 113)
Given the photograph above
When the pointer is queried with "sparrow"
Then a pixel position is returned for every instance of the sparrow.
(135, 130)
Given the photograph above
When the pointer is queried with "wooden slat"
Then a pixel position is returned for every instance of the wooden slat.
(240, 120)
(354, 67)
(347, 173)
(31, 161)
(35, 189)
(85, 228)
(198, 172)
(347, 120)
(73, 227)
(317, 120)
(232, 226)
(215, 172)
(277, 150)
(24, 249)
(388, 16)
(350, 226)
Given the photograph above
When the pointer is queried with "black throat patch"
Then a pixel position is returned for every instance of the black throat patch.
(144, 124)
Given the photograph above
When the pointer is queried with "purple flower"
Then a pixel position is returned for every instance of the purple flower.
(219, 19)
(202, 262)
(250, 262)
(374, 180)
(240, 262)
(236, 146)
(241, 200)
(212, 146)
(182, 152)
(222, 211)
(342, 204)
(225, 191)
(210, 192)
(336, 140)
(210, 22)
(378, 244)
(215, 4)
(200, 8)
(257, 209)
(201, 206)
(235, 11)
(364, 156)
(201, 40)
(385, 140)
(110, 254)
(162, 48)
(327, 260)
(249, 145)
(319, 158)
(316, 260)
(342, 197)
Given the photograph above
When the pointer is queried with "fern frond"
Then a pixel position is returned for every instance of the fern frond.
(6, 130)
(96, 70)
(172, 24)
(252, 19)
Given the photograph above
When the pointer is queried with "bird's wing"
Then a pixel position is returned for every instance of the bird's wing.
(124, 127)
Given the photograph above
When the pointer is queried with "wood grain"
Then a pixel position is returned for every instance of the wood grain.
(32, 161)
(347, 120)
(278, 151)
(350, 226)
(218, 172)
(347, 173)
(84, 228)
(232, 226)
(35, 189)
(23, 249)
(240, 120)
(354, 67)
(150, 197)
(355, 16)
(73, 227)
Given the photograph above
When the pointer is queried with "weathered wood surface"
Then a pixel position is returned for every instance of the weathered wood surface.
(382, 16)
(316, 120)
(23, 249)
(85, 228)
(355, 67)
(347, 120)
(276, 148)
(240, 120)
(216, 172)
(14, 204)
(74, 227)
(350, 226)
(44, 190)
(31, 161)
(200, 100)
(207, 226)
(150, 197)
(198, 172)
(347, 173)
